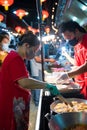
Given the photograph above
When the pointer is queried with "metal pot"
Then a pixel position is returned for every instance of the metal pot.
(65, 120)
(68, 99)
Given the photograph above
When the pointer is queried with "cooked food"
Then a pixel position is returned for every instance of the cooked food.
(77, 107)
(77, 127)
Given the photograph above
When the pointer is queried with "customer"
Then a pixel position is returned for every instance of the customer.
(4, 43)
(77, 37)
(36, 72)
(14, 85)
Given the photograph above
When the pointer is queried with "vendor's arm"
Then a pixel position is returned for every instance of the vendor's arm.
(70, 59)
(79, 70)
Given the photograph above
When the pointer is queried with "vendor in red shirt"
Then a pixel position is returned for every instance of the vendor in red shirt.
(77, 37)
(14, 97)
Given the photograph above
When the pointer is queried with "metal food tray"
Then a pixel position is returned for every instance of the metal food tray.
(52, 106)
(69, 88)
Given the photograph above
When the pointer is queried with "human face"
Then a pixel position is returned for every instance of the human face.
(5, 44)
(68, 35)
(5, 40)
(71, 37)
(30, 52)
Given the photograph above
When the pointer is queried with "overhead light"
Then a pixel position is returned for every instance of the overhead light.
(84, 8)
(74, 18)
(56, 3)
(52, 17)
(53, 8)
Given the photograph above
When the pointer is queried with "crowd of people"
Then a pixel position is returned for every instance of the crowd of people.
(20, 73)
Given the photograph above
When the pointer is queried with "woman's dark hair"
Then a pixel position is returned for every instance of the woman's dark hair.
(2, 37)
(4, 33)
(70, 26)
(29, 38)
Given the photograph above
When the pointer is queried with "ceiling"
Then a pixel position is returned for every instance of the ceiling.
(71, 10)
(30, 6)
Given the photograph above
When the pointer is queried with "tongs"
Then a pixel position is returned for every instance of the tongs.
(61, 98)
(56, 92)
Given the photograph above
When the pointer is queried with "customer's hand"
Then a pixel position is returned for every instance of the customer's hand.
(53, 89)
(51, 60)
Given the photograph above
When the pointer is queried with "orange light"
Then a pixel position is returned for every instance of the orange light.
(23, 30)
(34, 31)
(6, 3)
(45, 14)
(1, 17)
(29, 28)
(43, 0)
(20, 13)
(18, 29)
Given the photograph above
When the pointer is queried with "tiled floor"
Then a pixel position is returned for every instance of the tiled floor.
(33, 114)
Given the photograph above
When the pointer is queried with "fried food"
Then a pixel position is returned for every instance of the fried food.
(77, 107)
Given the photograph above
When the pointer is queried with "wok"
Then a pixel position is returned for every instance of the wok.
(68, 99)
(65, 120)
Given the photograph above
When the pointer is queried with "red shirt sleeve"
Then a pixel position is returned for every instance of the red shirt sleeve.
(18, 69)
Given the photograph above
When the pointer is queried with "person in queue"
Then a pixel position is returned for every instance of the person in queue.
(36, 72)
(77, 37)
(15, 85)
(4, 42)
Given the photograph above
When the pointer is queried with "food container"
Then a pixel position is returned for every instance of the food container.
(80, 102)
(64, 121)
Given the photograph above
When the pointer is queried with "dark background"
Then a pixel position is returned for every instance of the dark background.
(30, 6)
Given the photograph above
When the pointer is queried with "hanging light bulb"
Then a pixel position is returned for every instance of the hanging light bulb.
(45, 14)
(20, 13)
(1, 17)
(18, 29)
(6, 3)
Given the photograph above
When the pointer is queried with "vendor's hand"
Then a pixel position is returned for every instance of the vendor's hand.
(53, 89)
(64, 53)
(52, 60)
(62, 77)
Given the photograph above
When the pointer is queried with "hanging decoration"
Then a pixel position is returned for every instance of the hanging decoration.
(18, 29)
(20, 13)
(6, 3)
(45, 14)
(34, 30)
(29, 28)
(1, 17)
(23, 30)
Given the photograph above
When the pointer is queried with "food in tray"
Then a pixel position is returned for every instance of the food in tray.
(71, 86)
(58, 69)
(77, 107)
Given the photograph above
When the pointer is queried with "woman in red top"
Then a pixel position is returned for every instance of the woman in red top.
(14, 98)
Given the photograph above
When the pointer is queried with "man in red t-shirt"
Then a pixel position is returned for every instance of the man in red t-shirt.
(77, 37)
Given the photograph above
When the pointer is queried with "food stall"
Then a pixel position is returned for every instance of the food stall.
(47, 101)
(69, 91)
